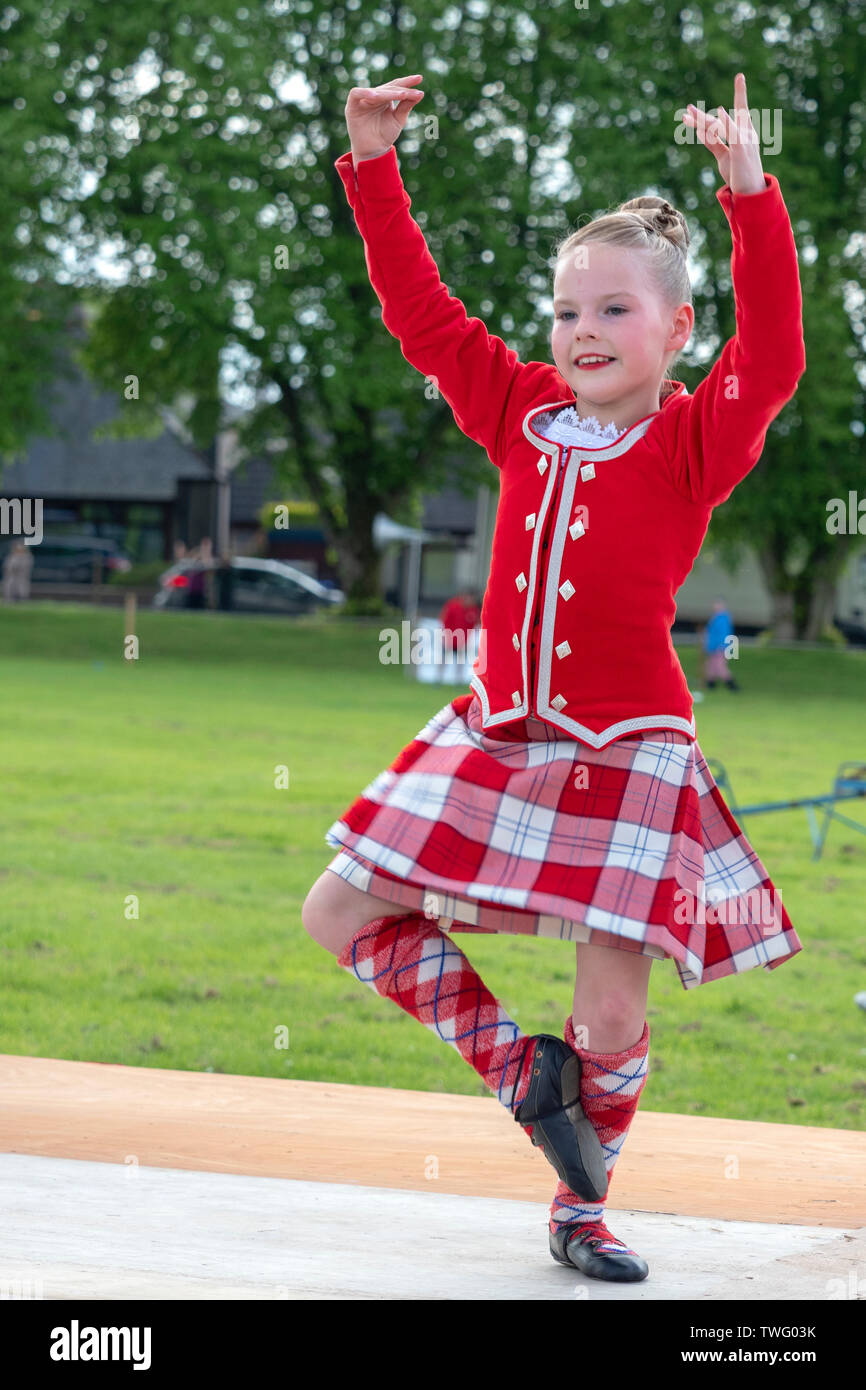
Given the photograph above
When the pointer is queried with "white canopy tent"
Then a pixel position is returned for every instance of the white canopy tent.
(438, 669)
(384, 531)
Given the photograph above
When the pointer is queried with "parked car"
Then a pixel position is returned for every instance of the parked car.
(71, 559)
(257, 586)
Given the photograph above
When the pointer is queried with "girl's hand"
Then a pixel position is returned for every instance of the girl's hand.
(739, 159)
(373, 122)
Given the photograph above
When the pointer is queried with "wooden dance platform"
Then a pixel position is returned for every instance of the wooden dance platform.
(134, 1182)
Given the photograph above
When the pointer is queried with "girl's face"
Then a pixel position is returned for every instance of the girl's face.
(603, 306)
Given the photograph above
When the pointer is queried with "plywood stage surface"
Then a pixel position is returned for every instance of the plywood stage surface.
(307, 1189)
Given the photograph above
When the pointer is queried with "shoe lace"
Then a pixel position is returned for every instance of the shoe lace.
(591, 1231)
(596, 1233)
(545, 1115)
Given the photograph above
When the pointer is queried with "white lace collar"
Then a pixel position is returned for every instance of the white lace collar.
(568, 427)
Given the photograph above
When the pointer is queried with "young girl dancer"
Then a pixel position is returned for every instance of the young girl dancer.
(567, 795)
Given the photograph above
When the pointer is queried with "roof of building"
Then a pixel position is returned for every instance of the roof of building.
(72, 465)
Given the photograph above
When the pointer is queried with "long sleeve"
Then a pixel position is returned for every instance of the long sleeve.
(474, 371)
(716, 437)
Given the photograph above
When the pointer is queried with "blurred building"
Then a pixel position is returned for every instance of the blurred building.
(147, 494)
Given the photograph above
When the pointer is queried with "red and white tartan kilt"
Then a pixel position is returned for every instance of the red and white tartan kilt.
(631, 845)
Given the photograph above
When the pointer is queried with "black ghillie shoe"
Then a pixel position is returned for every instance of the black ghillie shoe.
(560, 1128)
(583, 1247)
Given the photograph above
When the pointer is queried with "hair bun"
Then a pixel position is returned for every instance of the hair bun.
(658, 215)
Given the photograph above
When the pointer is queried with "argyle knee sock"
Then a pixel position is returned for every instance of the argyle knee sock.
(610, 1088)
(408, 959)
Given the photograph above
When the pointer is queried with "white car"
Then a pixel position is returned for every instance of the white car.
(256, 586)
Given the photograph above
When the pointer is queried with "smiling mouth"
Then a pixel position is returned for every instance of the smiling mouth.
(592, 360)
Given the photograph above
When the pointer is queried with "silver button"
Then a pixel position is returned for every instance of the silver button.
(563, 649)
(558, 702)
(542, 465)
(567, 589)
(530, 520)
(516, 640)
(515, 698)
(577, 529)
(587, 471)
(520, 581)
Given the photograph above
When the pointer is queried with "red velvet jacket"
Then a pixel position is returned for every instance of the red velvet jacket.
(591, 545)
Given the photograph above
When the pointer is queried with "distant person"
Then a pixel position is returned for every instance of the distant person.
(195, 588)
(260, 544)
(716, 634)
(200, 590)
(17, 568)
(459, 617)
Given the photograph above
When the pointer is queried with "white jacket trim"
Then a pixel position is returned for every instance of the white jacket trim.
(659, 722)
(518, 711)
(545, 709)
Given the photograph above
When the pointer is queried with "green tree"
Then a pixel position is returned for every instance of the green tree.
(201, 139)
(35, 295)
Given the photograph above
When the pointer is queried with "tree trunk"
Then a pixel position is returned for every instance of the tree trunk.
(359, 559)
(359, 564)
(782, 621)
(822, 602)
(820, 581)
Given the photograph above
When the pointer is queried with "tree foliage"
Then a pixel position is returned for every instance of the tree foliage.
(199, 141)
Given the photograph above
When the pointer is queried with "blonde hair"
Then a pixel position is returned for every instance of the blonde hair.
(651, 225)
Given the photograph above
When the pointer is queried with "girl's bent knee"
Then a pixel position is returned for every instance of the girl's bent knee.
(318, 908)
(310, 916)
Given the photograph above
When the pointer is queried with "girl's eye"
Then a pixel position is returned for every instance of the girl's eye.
(566, 312)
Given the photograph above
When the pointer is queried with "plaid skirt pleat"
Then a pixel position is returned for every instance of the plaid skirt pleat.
(630, 846)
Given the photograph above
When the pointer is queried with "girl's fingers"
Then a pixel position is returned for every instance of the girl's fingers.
(388, 93)
(380, 93)
(708, 128)
(396, 85)
(720, 129)
(723, 125)
(389, 97)
(699, 118)
(738, 129)
(740, 98)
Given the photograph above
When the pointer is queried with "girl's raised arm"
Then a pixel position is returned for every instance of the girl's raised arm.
(474, 371)
(719, 433)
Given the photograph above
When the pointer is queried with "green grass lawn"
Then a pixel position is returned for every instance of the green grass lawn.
(156, 778)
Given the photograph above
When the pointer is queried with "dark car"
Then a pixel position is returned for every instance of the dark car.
(71, 559)
(255, 586)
